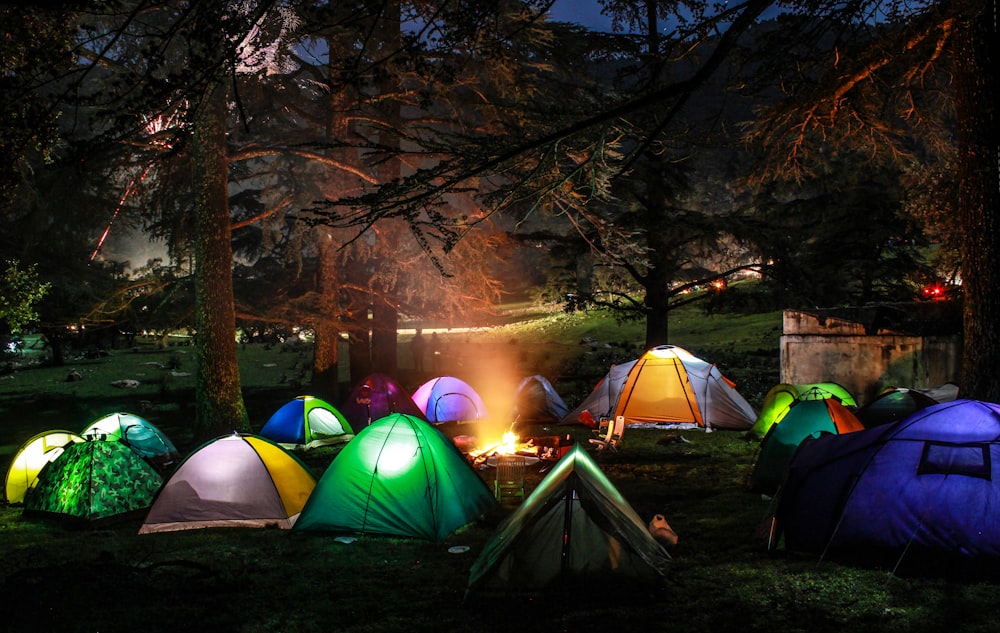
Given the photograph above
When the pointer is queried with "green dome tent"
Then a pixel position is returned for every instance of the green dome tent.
(575, 526)
(780, 397)
(94, 481)
(31, 458)
(399, 476)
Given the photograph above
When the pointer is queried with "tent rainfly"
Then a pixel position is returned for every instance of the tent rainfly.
(574, 528)
(805, 418)
(232, 481)
(400, 476)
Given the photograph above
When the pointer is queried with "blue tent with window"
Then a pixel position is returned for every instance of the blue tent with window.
(927, 484)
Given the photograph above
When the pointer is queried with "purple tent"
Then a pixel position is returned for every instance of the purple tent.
(449, 399)
(375, 397)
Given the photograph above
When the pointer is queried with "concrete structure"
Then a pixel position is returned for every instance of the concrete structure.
(867, 350)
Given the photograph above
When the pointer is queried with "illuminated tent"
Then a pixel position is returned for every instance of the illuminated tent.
(31, 457)
(307, 421)
(805, 418)
(375, 397)
(400, 476)
(94, 481)
(536, 400)
(926, 485)
(669, 385)
(232, 481)
(574, 529)
(780, 397)
(449, 399)
(136, 433)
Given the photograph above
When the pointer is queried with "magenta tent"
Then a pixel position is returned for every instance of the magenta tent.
(449, 399)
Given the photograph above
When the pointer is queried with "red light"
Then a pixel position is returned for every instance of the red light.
(934, 292)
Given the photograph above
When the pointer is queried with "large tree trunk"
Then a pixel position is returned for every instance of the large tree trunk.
(219, 406)
(978, 198)
(326, 360)
(662, 263)
(385, 314)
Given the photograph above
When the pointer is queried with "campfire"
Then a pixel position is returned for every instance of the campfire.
(543, 448)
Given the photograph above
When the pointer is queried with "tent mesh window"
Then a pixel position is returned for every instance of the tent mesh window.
(971, 460)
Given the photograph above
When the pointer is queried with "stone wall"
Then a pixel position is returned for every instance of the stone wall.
(864, 360)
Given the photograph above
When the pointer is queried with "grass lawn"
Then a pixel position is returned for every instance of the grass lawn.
(58, 579)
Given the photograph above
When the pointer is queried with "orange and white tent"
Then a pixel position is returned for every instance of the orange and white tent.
(668, 385)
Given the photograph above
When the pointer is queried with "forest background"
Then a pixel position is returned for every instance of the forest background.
(337, 168)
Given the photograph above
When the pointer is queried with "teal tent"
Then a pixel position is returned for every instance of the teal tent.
(138, 434)
(805, 418)
(574, 529)
(399, 476)
(780, 397)
(94, 481)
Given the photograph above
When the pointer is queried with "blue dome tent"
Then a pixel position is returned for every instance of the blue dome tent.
(928, 484)
(307, 421)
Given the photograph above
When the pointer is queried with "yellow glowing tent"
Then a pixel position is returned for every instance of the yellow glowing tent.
(31, 457)
(669, 385)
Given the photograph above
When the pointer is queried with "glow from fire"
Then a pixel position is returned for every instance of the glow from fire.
(509, 444)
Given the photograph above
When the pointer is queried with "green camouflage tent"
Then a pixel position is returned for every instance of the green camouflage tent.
(399, 476)
(92, 481)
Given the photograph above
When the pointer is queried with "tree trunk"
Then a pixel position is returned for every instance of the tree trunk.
(975, 109)
(359, 348)
(385, 315)
(662, 264)
(385, 339)
(219, 407)
(326, 362)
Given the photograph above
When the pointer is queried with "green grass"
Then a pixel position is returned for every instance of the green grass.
(248, 581)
